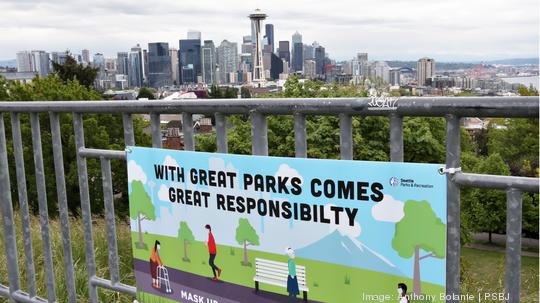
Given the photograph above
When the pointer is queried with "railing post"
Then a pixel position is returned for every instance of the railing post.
(345, 137)
(10, 244)
(62, 205)
(23, 202)
(221, 133)
(85, 206)
(129, 134)
(396, 138)
(259, 134)
(513, 244)
(187, 130)
(300, 140)
(43, 206)
(155, 125)
(453, 246)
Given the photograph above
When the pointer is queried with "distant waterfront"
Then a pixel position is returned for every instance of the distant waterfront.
(527, 81)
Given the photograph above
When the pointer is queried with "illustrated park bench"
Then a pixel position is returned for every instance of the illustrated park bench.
(276, 273)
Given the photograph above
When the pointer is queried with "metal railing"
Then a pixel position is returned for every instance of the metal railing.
(453, 109)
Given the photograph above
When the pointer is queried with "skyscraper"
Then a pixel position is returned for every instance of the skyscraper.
(173, 53)
(122, 63)
(297, 52)
(194, 34)
(141, 61)
(309, 69)
(284, 51)
(135, 74)
(269, 35)
(40, 62)
(227, 58)
(24, 62)
(425, 68)
(309, 52)
(382, 71)
(319, 60)
(159, 65)
(99, 61)
(85, 56)
(209, 62)
(189, 56)
(256, 23)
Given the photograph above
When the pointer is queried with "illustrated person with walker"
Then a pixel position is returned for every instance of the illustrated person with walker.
(158, 272)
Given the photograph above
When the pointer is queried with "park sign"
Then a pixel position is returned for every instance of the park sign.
(221, 228)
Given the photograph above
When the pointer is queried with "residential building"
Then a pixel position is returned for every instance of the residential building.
(425, 68)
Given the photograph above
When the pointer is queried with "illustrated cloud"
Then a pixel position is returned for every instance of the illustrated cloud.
(388, 210)
(163, 193)
(285, 170)
(170, 161)
(135, 172)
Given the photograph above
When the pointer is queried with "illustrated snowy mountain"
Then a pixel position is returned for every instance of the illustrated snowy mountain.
(343, 250)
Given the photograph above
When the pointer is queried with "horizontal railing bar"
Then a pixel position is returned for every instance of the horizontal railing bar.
(496, 182)
(98, 153)
(21, 296)
(120, 287)
(4, 291)
(405, 106)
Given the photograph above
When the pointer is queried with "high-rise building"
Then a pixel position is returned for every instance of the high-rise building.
(309, 69)
(309, 52)
(382, 70)
(269, 36)
(141, 61)
(227, 58)
(173, 53)
(395, 77)
(122, 63)
(85, 56)
(24, 61)
(99, 61)
(159, 65)
(276, 66)
(297, 61)
(40, 62)
(425, 68)
(284, 51)
(59, 57)
(257, 19)
(135, 73)
(209, 62)
(359, 65)
(319, 60)
(189, 56)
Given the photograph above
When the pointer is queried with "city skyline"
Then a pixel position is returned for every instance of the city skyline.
(484, 30)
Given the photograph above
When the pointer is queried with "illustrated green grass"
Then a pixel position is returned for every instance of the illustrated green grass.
(481, 271)
(327, 282)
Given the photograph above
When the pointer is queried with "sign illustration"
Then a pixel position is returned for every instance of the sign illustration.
(221, 228)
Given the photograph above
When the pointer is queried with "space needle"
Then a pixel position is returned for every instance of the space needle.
(257, 18)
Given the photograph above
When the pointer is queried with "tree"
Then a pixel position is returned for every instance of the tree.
(146, 92)
(141, 208)
(70, 70)
(245, 93)
(185, 235)
(419, 229)
(486, 208)
(246, 235)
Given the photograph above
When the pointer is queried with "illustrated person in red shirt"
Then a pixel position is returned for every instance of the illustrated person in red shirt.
(212, 251)
(155, 261)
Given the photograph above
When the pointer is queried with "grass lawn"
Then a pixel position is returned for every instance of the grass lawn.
(481, 270)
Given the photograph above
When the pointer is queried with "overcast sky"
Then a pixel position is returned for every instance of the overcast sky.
(449, 30)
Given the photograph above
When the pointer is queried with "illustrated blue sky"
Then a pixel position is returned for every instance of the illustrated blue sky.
(278, 233)
(388, 29)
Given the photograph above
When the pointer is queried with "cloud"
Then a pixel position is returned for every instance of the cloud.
(135, 172)
(163, 193)
(170, 161)
(388, 210)
(343, 227)
(285, 170)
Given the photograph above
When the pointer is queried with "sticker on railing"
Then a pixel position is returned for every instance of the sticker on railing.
(382, 101)
(232, 228)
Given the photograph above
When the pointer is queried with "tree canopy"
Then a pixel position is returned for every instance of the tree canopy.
(71, 70)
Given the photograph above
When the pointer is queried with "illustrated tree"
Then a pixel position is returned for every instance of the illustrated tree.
(185, 235)
(246, 235)
(141, 208)
(419, 229)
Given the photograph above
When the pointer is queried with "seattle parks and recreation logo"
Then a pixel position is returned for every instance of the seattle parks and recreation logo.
(394, 181)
